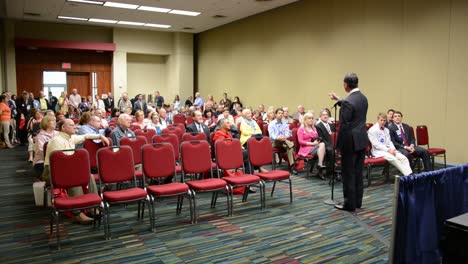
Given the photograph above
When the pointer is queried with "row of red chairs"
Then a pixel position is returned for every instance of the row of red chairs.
(117, 165)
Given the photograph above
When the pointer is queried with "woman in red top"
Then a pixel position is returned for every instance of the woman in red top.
(223, 131)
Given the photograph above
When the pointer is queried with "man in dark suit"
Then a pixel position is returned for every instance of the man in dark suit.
(325, 130)
(140, 104)
(352, 141)
(109, 102)
(198, 125)
(404, 142)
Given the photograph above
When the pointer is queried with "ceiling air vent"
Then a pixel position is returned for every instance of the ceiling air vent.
(188, 28)
(31, 14)
(219, 16)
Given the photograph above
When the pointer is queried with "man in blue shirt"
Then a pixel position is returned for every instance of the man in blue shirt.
(198, 103)
(279, 133)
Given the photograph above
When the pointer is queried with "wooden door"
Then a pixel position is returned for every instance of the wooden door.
(81, 81)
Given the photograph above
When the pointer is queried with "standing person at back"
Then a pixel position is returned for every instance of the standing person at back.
(159, 100)
(352, 141)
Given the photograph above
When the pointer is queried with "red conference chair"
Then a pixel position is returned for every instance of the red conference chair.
(147, 133)
(134, 128)
(116, 166)
(174, 141)
(229, 158)
(174, 130)
(189, 120)
(159, 165)
(423, 140)
(193, 136)
(135, 143)
(276, 151)
(371, 162)
(368, 125)
(179, 119)
(260, 152)
(196, 159)
(308, 160)
(61, 176)
(179, 125)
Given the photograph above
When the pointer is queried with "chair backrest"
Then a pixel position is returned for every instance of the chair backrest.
(134, 128)
(260, 151)
(179, 119)
(334, 137)
(147, 133)
(69, 168)
(135, 143)
(412, 132)
(295, 140)
(189, 120)
(181, 126)
(228, 154)
(169, 138)
(368, 125)
(422, 135)
(157, 160)
(193, 136)
(265, 130)
(92, 148)
(115, 164)
(195, 156)
(174, 130)
(260, 122)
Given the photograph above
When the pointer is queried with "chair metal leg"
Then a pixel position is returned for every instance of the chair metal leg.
(180, 201)
(57, 229)
(192, 207)
(195, 216)
(262, 195)
(230, 202)
(273, 189)
(290, 191)
(368, 175)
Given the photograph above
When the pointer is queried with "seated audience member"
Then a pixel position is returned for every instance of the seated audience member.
(325, 130)
(46, 133)
(269, 116)
(226, 114)
(382, 146)
(299, 115)
(224, 130)
(115, 112)
(198, 125)
(33, 127)
(84, 106)
(162, 117)
(66, 139)
(122, 129)
(210, 120)
(248, 127)
(389, 121)
(84, 118)
(225, 102)
(154, 124)
(403, 141)
(139, 120)
(279, 133)
(310, 143)
(286, 118)
(91, 127)
(261, 111)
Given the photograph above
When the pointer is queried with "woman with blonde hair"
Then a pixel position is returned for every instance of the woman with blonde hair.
(309, 141)
(46, 133)
(139, 120)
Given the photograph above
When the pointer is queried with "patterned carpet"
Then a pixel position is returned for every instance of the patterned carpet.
(306, 231)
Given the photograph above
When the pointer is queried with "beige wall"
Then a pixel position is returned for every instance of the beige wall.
(409, 54)
(145, 73)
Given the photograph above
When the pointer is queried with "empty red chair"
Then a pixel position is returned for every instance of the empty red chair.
(70, 168)
(228, 158)
(174, 130)
(189, 120)
(174, 141)
(147, 133)
(260, 152)
(196, 159)
(116, 166)
(423, 140)
(159, 165)
(179, 119)
(193, 136)
(180, 126)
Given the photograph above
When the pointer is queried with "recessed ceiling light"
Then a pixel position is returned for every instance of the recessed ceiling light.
(130, 23)
(120, 5)
(185, 13)
(157, 25)
(73, 18)
(87, 2)
(98, 20)
(154, 9)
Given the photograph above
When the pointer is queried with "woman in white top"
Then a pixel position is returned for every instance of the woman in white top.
(154, 124)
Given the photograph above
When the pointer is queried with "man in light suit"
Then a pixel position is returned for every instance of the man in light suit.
(352, 141)
(198, 125)
(382, 146)
(403, 140)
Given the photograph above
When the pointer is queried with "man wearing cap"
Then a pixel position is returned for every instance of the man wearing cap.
(352, 141)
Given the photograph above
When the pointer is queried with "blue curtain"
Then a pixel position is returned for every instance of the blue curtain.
(425, 201)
